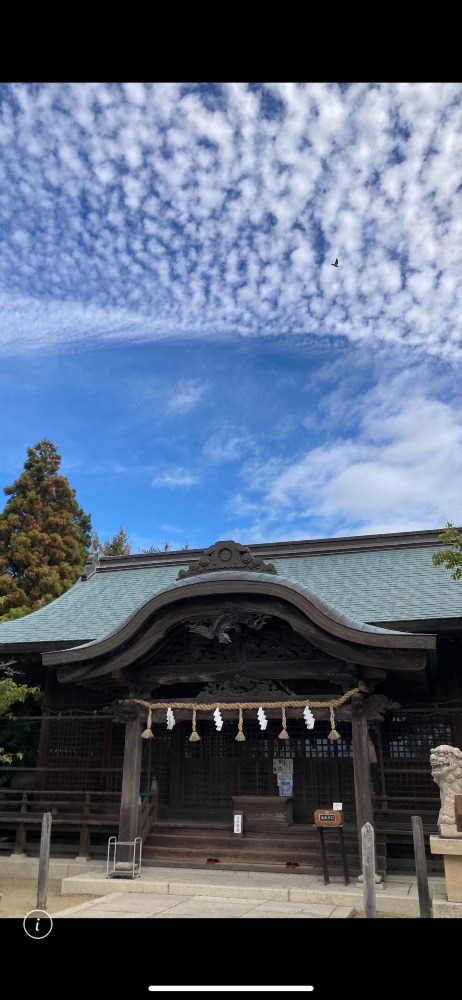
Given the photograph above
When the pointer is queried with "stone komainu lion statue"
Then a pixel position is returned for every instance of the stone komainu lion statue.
(446, 766)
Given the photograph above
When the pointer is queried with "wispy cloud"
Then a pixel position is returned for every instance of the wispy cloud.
(187, 395)
(175, 478)
(230, 444)
(403, 465)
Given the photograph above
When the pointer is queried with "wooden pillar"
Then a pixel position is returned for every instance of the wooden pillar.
(177, 738)
(128, 822)
(361, 766)
(106, 775)
(457, 731)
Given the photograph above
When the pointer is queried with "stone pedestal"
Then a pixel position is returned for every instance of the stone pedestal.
(451, 849)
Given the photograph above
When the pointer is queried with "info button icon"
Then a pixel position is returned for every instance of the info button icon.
(37, 924)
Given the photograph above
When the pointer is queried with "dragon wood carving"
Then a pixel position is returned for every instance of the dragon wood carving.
(219, 628)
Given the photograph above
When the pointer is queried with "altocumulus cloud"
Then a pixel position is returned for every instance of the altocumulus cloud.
(145, 211)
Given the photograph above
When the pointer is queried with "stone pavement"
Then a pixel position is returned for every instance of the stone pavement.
(217, 892)
(142, 904)
(186, 892)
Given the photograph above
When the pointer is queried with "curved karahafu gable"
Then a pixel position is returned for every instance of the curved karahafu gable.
(242, 592)
(385, 580)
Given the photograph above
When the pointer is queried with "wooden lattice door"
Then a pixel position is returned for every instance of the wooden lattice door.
(217, 767)
(210, 771)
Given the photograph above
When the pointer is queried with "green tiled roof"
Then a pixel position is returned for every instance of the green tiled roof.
(92, 608)
(382, 586)
(372, 585)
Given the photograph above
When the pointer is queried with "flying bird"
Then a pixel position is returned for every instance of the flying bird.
(336, 262)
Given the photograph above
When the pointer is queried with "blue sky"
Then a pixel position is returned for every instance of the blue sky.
(171, 320)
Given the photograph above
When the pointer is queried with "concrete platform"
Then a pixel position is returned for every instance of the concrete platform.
(185, 892)
(397, 897)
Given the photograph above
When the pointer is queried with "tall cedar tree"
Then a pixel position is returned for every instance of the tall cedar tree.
(44, 535)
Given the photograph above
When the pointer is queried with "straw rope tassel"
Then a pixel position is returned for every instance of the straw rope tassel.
(148, 734)
(194, 735)
(240, 735)
(333, 735)
(283, 735)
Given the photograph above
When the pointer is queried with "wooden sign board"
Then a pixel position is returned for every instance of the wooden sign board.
(328, 817)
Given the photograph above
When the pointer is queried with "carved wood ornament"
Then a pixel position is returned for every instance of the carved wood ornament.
(227, 555)
(219, 627)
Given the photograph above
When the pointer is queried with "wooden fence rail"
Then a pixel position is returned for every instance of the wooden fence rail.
(147, 814)
(78, 813)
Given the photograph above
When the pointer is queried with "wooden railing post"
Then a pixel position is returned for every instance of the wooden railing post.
(84, 836)
(21, 835)
(147, 814)
(425, 908)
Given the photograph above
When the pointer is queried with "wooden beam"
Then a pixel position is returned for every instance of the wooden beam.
(326, 669)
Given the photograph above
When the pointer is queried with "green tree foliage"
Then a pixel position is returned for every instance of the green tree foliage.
(451, 557)
(12, 694)
(44, 535)
(165, 548)
(119, 545)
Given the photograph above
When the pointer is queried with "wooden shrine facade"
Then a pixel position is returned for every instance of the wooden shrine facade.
(231, 674)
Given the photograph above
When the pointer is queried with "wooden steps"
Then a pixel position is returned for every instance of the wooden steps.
(297, 846)
(182, 843)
